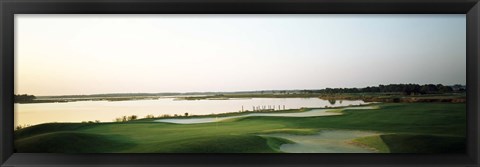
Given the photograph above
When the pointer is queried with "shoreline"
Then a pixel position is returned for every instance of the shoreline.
(208, 116)
(324, 112)
(367, 97)
(297, 110)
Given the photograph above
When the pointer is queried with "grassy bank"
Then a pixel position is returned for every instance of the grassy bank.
(406, 126)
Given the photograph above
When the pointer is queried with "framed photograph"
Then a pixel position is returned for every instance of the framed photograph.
(228, 83)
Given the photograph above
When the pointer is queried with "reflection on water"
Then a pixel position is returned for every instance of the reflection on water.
(106, 111)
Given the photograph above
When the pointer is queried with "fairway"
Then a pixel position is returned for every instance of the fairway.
(240, 84)
(391, 127)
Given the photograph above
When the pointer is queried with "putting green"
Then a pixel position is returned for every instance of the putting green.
(403, 127)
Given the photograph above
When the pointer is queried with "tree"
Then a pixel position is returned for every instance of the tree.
(407, 89)
(118, 119)
(23, 98)
(132, 117)
(186, 114)
(165, 116)
(445, 89)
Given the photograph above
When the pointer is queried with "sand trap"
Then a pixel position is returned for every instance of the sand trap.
(311, 113)
(326, 141)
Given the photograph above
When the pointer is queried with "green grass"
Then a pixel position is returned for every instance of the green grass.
(409, 125)
(414, 143)
(275, 143)
(375, 142)
(72, 142)
(291, 131)
(213, 144)
(50, 127)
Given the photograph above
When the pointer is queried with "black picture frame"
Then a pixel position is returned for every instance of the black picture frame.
(10, 7)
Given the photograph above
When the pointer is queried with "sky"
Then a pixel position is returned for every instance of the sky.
(93, 54)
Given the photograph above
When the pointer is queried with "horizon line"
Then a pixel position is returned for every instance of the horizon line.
(239, 91)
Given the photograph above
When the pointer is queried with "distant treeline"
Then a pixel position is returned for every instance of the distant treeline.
(407, 89)
(24, 98)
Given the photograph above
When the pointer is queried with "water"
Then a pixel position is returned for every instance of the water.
(311, 113)
(326, 141)
(105, 111)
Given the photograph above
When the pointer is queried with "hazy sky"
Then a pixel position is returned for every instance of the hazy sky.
(89, 54)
